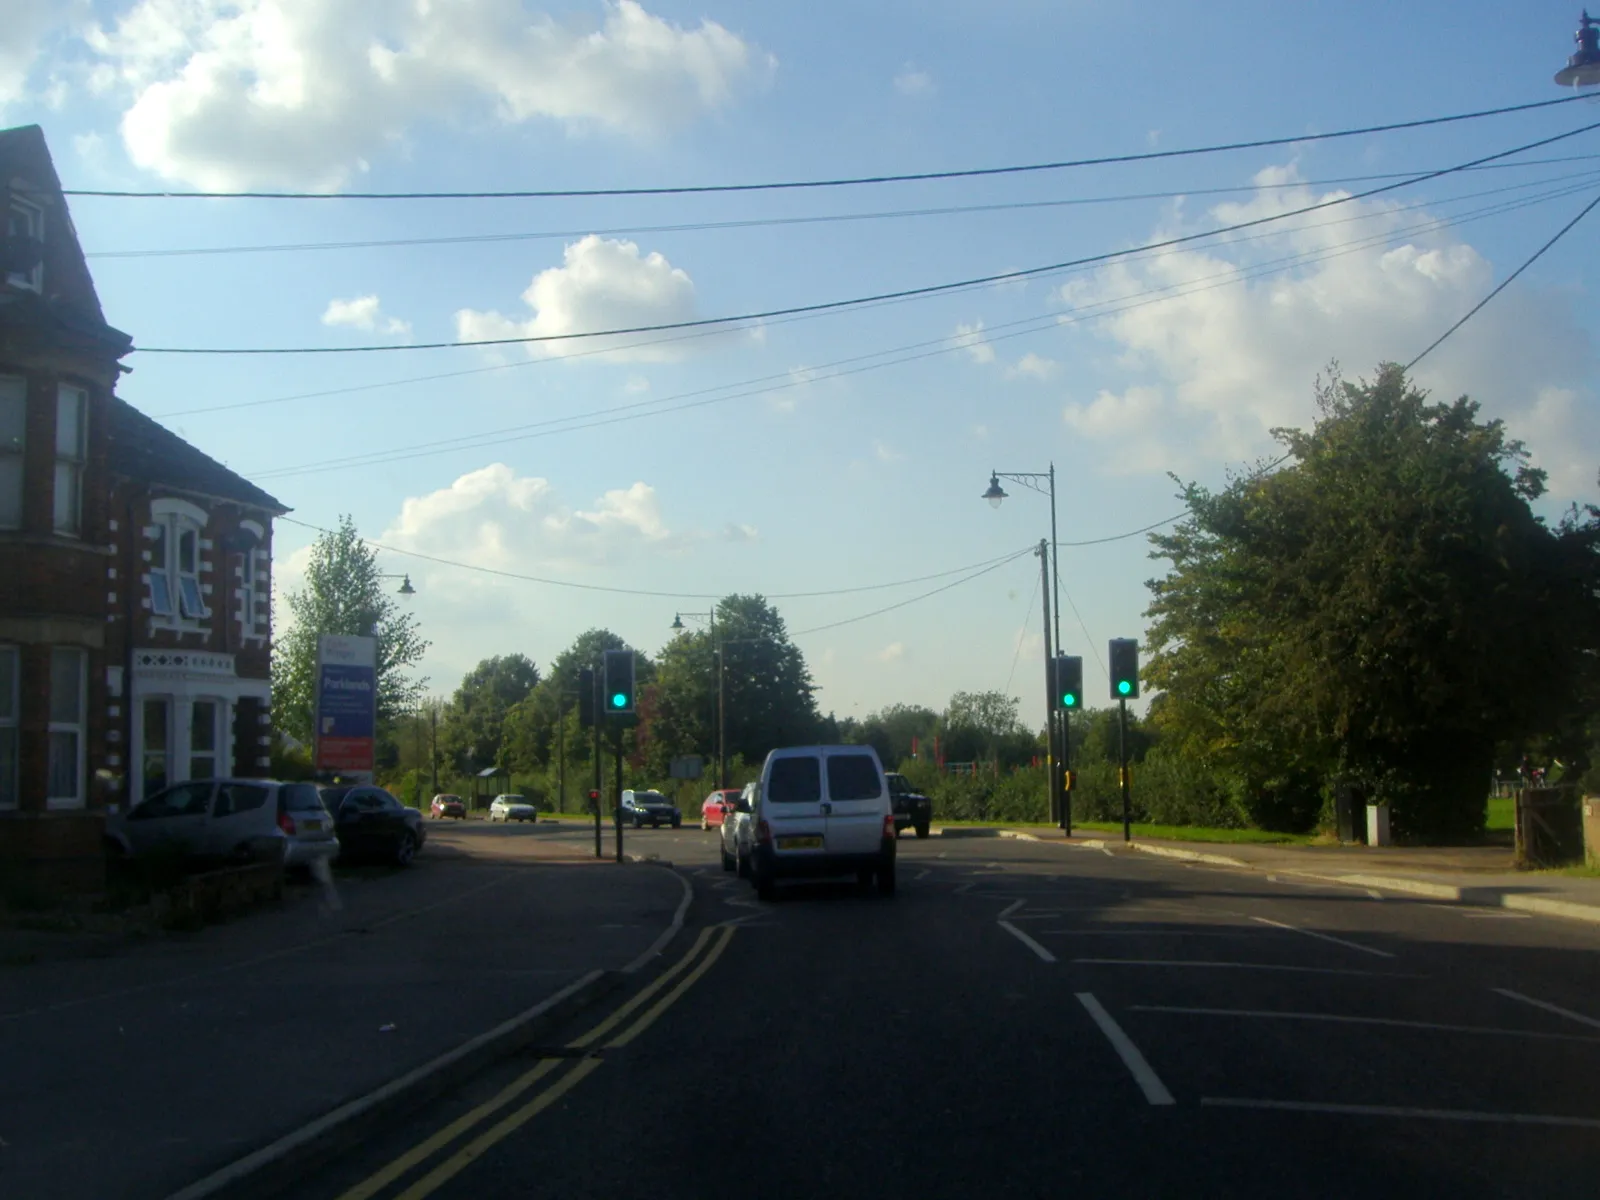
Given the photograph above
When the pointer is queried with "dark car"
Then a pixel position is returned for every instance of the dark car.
(372, 824)
(911, 807)
(650, 808)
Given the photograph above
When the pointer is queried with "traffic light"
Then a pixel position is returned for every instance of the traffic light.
(618, 694)
(586, 696)
(1124, 669)
(1067, 687)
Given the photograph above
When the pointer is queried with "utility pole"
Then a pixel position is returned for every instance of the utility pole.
(1049, 683)
(599, 850)
(618, 753)
(1122, 756)
(433, 752)
(561, 756)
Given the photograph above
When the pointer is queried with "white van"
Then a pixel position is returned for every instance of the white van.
(822, 810)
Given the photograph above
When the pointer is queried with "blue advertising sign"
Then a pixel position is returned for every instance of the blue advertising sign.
(347, 703)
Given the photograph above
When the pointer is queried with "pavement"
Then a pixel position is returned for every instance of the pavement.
(1025, 1019)
(163, 1058)
(1480, 875)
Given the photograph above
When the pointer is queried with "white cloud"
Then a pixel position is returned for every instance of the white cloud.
(970, 338)
(733, 532)
(913, 82)
(637, 385)
(604, 283)
(892, 653)
(28, 26)
(237, 93)
(493, 517)
(886, 454)
(364, 312)
(1033, 366)
(1210, 369)
(786, 401)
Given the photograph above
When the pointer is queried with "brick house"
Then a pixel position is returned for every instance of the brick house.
(134, 571)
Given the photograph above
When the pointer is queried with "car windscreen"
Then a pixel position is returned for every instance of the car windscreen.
(301, 798)
(332, 795)
(794, 781)
(853, 777)
(649, 798)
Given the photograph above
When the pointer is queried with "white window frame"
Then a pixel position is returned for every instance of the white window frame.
(19, 449)
(71, 460)
(219, 761)
(168, 748)
(256, 593)
(10, 729)
(176, 519)
(33, 217)
(77, 727)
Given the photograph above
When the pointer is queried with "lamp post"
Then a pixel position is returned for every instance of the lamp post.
(405, 589)
(1583, 68)
(1058, 730)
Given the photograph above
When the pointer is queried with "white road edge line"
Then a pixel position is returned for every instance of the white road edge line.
(1341, 1018)
(1149, 1082)
(1184, 962)
(1011, 908)
(1323, 937)
(1426, 1114)
(1106, 852)
(1027, 941)
(922, 874)
(1547, 1006)
(671, 931)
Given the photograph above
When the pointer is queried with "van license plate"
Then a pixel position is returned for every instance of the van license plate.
(799, 843)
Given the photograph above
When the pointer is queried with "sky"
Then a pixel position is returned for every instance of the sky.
(835, 451)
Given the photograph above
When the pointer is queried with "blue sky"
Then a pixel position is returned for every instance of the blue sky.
(835, 480)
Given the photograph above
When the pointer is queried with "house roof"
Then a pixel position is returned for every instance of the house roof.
(144, 450)
(70, 299)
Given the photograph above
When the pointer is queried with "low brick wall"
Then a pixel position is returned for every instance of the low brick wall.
(53, 852)
(216, 895)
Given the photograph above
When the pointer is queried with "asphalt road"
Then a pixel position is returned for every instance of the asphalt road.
(1027, 1019)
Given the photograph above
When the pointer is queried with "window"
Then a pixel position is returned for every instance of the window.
(853, 777)
(10, 669)
(160, 576)
(203, 740)
(235, 798)
(68, 685)
(257, 594)
(189, 574)
(183, 800)
(72, 415)
(795, 781)
(26, 221)
(301, 797)
(13, 441)
(157, 744)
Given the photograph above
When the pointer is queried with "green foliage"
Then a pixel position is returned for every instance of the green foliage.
(1383, 612)
(342, 595)
(473, 726)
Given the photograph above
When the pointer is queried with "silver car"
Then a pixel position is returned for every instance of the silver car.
(512, 808)
(736, 835)
(232, 819)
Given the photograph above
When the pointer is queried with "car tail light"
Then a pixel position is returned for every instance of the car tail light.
(888, 826)
(286, 823)
(763, 832)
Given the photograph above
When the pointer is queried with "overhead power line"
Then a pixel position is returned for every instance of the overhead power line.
(914, 599)
(1504, 283)
(775, 222)
(881, 297)
(846, 181)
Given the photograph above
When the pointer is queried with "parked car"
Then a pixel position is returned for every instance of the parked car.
(911, 807)
(371, 823)
(217, 819)
(717, 806)
(509, 807)
(736, 842)
(308, 825)
(822, 810)
(649, 808)
(447, 805)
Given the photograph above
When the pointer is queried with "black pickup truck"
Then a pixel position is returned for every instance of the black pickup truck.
(910, 806)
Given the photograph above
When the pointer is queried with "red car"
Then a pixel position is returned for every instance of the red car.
(717, 806)
(448, 806)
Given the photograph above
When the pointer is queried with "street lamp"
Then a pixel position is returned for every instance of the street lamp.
(405, 589)
(1583, 68)
(1044, 482)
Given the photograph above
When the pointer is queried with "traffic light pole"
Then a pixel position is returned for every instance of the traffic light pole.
(1122, 756)
(599, 848)
(617, 750)
(1049, 681)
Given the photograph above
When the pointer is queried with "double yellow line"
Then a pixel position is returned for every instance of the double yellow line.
(717, 937)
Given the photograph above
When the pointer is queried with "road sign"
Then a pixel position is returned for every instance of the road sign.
(687, 766)
(346, 703)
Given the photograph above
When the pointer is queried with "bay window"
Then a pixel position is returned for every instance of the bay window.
(156, 752)
(68, 714)
(72, 414)
(13, 443)
(203, 739)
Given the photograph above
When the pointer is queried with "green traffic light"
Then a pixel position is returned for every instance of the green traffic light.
(1068, 700)
(1124, 687)
(619, 701)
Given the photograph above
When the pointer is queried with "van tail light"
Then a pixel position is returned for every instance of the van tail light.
(286, 823)
(763, 833)
(888, 827)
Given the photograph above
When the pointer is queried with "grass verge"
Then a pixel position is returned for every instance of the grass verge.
(1200, 833)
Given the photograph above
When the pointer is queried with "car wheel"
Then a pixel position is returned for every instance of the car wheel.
(677, 822)
(885, 875)
(766, 886)
(728, 863)
(741, 865)
(705, 825)
(638, 822)
(406, 850)
(864, 877)
(922, 829)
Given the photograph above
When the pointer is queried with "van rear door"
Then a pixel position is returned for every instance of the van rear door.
(856, 802)
(792, 805)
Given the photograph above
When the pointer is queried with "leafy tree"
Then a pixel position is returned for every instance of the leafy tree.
(530, 726)
(893, 730)
(476, 716)
(1382, 612)
(985, 725)
(343, 595)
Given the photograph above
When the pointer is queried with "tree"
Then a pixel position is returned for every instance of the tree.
(1382, 612)
(530, 725)
(477, 712)
(893, 731)
(343, 594)
(985, 725)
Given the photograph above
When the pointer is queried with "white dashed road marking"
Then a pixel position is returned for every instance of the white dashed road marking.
(1143, 1074)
